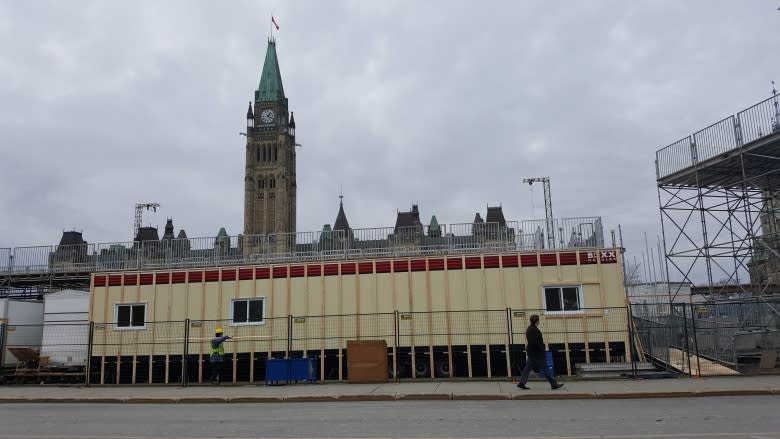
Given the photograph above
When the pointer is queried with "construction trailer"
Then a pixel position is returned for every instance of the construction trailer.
(21, 324)
(454, 315)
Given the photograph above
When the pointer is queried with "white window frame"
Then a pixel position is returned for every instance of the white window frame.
(247, 299)
(130, 328)
(580, 299)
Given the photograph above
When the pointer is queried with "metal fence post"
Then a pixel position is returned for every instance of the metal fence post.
(3, 330)
(631, 334)
(695, 342)
(397, 339)
(185, 353)
(289, 334)
(90, 342)
(687, 345)
(510, 339)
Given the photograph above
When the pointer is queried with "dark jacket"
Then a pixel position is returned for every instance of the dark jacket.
(535, 346)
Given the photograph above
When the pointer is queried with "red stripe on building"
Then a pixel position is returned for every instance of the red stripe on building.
(568, 258)
(510, 261)
(195, 276)
(297, 271)
(146, 279)
(383, 266)
(245, 273)
(114, 280)
(228, 274)
(211, 275)
(348, 268)
(608, 256)
(418, 265)
(588, 258)
(401, 265)
(473, 262)
(162, 278)
(280, 272)
(435, 264)
(454, 263)
(262, 273)
(366, 267)
(100, 281)
(179, 277)
(528, 260)
(548, 259)
(314, 270)
(131, 279)
(492, 262)
(330, 270)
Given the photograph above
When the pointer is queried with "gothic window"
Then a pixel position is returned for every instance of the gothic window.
(265, 154)
(275, 152)
(258, 153)
(261, 184)
(272, 183)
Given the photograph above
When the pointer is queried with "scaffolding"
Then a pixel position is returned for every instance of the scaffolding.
(719, 194)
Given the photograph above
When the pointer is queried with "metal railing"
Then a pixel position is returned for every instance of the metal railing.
(525, 235)
(710, 338)
(748, 125)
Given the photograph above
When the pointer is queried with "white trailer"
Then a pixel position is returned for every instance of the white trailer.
(66, 328)
(23, 327)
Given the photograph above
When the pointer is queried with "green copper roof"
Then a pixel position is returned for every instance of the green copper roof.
(434, 223)
(222, 233)
(270, 88)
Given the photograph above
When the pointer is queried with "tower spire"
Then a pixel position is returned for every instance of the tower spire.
(270, 88)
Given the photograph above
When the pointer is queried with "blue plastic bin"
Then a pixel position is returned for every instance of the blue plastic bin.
(302, 369)
(277, 370)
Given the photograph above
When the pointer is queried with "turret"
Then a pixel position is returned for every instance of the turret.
(250, 117)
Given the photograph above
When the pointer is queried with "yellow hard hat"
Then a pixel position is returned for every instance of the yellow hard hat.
(219, 331)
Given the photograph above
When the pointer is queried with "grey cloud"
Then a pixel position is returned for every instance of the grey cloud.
(449, 104)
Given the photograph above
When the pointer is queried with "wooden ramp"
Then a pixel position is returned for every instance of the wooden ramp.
(699, 366)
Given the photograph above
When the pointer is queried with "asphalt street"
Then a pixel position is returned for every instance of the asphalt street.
(748, 417)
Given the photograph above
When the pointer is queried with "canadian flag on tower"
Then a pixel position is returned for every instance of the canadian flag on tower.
(274, 22)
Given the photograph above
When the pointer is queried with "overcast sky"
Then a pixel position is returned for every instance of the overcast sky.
(448, 104)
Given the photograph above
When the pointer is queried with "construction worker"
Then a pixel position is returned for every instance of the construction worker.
(217, 354)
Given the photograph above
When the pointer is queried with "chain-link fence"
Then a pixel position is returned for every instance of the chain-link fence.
(453, 344)
(722, 338)
(54, 353)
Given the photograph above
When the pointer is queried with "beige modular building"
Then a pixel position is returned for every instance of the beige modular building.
(441, 316)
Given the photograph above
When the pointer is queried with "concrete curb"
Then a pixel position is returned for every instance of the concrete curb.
(481, 397)
(423, 396)
(254, 399)
(390, 397)
(639, 395)
(358, 398)
(553, 396)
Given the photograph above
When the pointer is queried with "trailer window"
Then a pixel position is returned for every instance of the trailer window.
(562, 299)
(131, 316)
(247, 311)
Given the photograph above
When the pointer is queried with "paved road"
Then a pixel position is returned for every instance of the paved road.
(679, 418)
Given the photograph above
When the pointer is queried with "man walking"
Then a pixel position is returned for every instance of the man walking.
(217, 354)
(536, 360)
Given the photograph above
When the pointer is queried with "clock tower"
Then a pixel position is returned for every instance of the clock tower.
(269, 178)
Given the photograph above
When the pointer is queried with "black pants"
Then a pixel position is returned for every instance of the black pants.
(539, 364)
(215, 367)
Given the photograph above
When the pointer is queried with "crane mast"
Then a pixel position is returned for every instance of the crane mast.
(548, 215)
(139, 213)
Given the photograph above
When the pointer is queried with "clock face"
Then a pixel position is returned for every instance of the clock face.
(267, 116)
